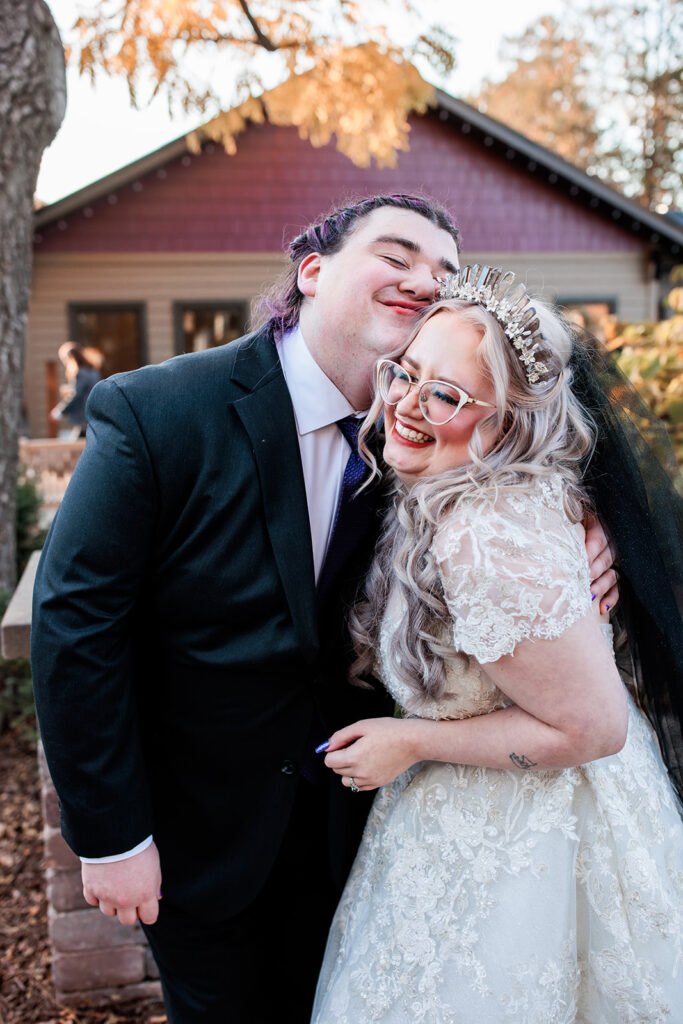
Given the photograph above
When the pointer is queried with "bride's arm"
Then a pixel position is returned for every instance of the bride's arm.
(511, 579)
(569, 708)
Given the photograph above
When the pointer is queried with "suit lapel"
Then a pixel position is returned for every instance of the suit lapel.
(268, 418)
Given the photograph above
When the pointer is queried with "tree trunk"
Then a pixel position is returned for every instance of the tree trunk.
(32, 105)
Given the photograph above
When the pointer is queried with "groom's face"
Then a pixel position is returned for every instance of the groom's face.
(368, 295)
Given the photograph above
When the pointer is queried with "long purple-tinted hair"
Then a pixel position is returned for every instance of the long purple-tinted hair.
(282, 303)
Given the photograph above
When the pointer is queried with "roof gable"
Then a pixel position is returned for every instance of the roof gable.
(507, 193)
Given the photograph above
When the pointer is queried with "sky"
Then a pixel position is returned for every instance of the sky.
(102, 132)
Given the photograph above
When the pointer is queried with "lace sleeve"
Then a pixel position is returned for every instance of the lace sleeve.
(514, 569)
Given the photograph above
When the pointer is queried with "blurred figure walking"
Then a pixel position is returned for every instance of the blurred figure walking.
(82, 372)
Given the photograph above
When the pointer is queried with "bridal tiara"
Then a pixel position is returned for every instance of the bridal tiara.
(496, 290)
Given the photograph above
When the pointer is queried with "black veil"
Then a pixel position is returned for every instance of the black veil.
(637, 490)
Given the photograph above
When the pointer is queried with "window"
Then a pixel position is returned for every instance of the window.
(596, 315)
(202, 325)
(117, 330)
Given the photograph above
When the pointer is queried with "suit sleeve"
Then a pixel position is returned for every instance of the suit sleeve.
(90, 575)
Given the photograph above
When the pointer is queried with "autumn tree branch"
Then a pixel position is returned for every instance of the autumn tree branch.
(261, 38)
(347, 79)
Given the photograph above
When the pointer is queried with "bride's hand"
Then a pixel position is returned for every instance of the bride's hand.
(372, 752)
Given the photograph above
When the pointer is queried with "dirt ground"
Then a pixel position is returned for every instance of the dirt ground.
(26, 993)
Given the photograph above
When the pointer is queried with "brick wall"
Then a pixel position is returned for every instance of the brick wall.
(95, 960)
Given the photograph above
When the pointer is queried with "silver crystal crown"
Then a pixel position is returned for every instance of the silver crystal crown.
(496, 290)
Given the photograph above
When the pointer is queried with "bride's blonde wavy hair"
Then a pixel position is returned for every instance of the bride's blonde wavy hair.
(541, 430)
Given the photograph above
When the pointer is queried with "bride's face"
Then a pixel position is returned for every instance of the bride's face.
(445, 349)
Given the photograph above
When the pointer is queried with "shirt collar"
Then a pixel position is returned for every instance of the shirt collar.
(317, 402)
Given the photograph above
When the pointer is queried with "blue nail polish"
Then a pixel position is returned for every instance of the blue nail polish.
(323, 746)
(593, 596)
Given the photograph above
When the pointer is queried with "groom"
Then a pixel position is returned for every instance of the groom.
(188, 641)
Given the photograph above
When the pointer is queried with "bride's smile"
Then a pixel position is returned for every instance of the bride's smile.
(410, 435)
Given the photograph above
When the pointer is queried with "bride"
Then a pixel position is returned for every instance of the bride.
(523, 860)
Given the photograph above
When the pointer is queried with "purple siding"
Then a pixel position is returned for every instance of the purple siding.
(276, 183)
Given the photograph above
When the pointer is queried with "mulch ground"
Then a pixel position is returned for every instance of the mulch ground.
(26, 993)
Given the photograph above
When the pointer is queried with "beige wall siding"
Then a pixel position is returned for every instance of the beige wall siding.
(624, 277)
(160, 280)
(157, 280)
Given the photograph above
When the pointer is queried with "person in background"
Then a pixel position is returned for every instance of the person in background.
(82, 372)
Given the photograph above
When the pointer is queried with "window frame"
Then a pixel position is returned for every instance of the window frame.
(74, 307)
(587, 300)
(180, 306)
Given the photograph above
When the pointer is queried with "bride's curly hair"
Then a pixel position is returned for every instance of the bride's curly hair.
(541, 429)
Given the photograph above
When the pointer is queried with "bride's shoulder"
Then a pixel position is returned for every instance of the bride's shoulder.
(518, 512)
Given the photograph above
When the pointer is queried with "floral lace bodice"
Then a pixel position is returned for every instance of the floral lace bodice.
(513, 569)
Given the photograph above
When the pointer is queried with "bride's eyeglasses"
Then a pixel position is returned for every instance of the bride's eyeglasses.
(439, 401)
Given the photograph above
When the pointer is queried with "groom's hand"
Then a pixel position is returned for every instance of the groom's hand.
(128, 889)
(601, 565)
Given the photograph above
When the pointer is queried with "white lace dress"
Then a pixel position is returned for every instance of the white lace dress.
(481, 896)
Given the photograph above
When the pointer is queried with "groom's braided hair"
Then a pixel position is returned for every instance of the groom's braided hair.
(283, 302)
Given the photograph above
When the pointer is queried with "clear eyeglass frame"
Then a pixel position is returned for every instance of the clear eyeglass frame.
(439, 392)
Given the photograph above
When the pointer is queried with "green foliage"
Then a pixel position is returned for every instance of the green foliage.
(30, 537)
(16, 690)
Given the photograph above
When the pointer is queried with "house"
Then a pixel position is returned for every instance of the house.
(165, 255)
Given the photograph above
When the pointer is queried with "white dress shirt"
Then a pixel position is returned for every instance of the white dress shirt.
(317, 404)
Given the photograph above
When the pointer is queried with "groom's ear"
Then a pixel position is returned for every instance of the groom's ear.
(308, 274)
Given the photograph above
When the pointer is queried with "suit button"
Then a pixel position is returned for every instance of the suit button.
(288, 768)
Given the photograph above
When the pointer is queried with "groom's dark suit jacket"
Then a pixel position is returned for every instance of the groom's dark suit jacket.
(179, 649)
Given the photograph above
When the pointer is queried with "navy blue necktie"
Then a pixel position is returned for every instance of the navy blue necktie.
(350, 517)
(355, 472)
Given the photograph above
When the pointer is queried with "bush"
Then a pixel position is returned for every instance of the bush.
(16, 689)
(17, 709)
(30, 537)
(651, 355)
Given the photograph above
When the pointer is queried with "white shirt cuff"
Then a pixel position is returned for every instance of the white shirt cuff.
(119, 856)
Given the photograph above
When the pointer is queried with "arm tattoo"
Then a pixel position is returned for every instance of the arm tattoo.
(522, 761)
